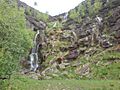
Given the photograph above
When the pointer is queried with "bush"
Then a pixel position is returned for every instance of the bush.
(86, 8)
(73, 14)
(15, 40)
(42, 16)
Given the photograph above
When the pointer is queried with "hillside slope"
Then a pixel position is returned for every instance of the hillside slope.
(77, 50)
(86, 45)
(95, 43)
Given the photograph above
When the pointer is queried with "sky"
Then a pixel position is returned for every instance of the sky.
(53, 7)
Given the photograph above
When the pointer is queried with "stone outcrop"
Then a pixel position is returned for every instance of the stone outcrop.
(76, 45)
(30, 14)
(102, 29)
(35, 24)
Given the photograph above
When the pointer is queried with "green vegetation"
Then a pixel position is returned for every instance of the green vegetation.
(38, 15)
(107, 66)
(24, 83)
(94, 9)
(110, 72)
(54, 25)
(97, 6)
(111, 55)
(87, 71)
(85, 9)
(15, 40)
(73, 14)
(78, 12)
(104, 65)
(42, 16)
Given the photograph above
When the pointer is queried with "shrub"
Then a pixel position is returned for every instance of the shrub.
(73, 14)
(15, 40)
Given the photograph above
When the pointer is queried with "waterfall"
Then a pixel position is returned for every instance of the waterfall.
(34, 54)
(65, 16)
(38, 32)
(33, 61)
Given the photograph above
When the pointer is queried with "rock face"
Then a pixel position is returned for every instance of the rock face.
(101, 29)
(73, 54)
(58, 17)
(73, 49)
(35, 24)
(30, 14)
(93, 33)
(84, 70)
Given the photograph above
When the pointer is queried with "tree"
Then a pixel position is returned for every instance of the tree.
(15, 40)
(97, 6)
(73, 14)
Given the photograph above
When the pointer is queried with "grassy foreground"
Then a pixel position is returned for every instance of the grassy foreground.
(25, 83)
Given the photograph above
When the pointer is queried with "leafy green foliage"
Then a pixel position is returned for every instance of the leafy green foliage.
(73, 14)
(81, 9)
(93, 9)
(15, 40)
(97, 6)
(85, 9)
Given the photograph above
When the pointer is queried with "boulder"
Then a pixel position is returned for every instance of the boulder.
(83, 70)
(106, 44)
(63, 65)
(72, 55)
(51, 69)
(90, 51)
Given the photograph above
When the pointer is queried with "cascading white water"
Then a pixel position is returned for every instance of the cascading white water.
(34, 54)
(66, 16)
(38, 32)
(33, 61)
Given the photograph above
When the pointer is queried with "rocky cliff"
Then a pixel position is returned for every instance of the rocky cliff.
(35, 20)
(86, 46)
(101, 28)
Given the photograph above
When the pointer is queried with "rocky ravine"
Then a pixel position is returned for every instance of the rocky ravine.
(83, 50)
